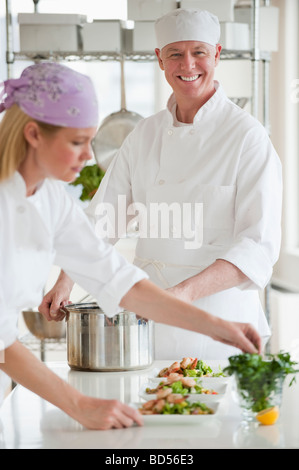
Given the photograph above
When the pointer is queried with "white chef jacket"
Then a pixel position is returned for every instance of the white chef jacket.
(45, 229)
(225, 161)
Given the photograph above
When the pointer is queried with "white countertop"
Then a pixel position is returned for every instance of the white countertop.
(27, 421)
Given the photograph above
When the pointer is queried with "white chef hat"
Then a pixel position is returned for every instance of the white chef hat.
(187, 25)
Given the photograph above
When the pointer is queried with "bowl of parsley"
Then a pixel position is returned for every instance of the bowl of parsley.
(259, 381)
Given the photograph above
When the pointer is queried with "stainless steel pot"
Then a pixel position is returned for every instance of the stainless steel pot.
(96, 342)
(114, 129)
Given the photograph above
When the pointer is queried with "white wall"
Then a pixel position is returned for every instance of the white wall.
(284, 125)
(285, 322)
(284, 305)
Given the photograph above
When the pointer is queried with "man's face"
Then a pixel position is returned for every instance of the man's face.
(189, 68)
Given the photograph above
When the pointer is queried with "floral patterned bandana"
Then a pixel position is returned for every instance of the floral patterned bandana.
(53, 93)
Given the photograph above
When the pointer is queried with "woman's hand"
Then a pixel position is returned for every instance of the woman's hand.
(95, 413)
(56, 298)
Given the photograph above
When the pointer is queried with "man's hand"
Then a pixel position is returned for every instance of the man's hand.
(240, 335)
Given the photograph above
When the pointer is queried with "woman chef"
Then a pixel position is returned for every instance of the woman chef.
(205, 151)
(45, 135)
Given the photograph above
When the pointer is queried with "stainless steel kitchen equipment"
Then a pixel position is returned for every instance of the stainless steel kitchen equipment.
(96, 342)
(240, 101)
(114, 129)
(42, 328)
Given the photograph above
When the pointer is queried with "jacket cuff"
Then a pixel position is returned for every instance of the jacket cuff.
(109, 297)
(8, 331)
(251, 259)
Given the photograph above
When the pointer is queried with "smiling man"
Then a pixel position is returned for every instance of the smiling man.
(189, 64)
(202, 149)
(189, 69)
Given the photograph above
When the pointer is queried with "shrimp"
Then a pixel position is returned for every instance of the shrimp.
(194, 363)
(152, 390)
(162, 372)
(188, 382)
(173, 377)
(174, 367)
(149, 405)
(185, 362)
(175, 398)
(146, 412)
(162, 393)
(158, 407)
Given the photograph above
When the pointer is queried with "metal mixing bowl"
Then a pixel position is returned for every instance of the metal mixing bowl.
(42, 328)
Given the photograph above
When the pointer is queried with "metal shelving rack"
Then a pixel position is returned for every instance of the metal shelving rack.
(43, 346)
(255, 55)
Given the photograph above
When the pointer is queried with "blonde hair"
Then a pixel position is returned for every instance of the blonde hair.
(13, 145)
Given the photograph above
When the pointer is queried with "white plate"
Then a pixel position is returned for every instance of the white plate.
(220, 388)
(154, 377)
(179, 419)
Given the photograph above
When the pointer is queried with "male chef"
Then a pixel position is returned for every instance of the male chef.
(206, 155)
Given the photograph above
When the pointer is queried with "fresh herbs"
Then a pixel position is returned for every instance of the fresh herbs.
(258, 378)
(90, 178)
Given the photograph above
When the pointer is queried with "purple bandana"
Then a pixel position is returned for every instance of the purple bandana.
(53, 93)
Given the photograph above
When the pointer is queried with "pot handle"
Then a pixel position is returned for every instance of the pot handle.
(66, 313)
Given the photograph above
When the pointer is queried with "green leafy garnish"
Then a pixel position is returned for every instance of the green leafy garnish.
(190, 373)
(201, 369)
(185, 408)
(177, 387)
(258, 378)
(90, 178)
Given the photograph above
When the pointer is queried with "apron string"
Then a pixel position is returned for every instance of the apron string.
(159, 265)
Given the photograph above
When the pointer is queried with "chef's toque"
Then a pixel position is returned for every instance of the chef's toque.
(187, 25)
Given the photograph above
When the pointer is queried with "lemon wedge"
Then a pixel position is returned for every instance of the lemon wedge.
(268, 416)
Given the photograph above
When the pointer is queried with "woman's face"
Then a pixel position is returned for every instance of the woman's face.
(63, 154)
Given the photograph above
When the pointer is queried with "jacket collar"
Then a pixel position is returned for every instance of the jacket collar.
(210, 105)
(18, 186)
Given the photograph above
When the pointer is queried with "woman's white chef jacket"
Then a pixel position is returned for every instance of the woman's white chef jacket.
(225, 161)
(45, 229)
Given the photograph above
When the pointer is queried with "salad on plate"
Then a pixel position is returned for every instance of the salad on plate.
(190, 367)
(174, 404)
(175, 383)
